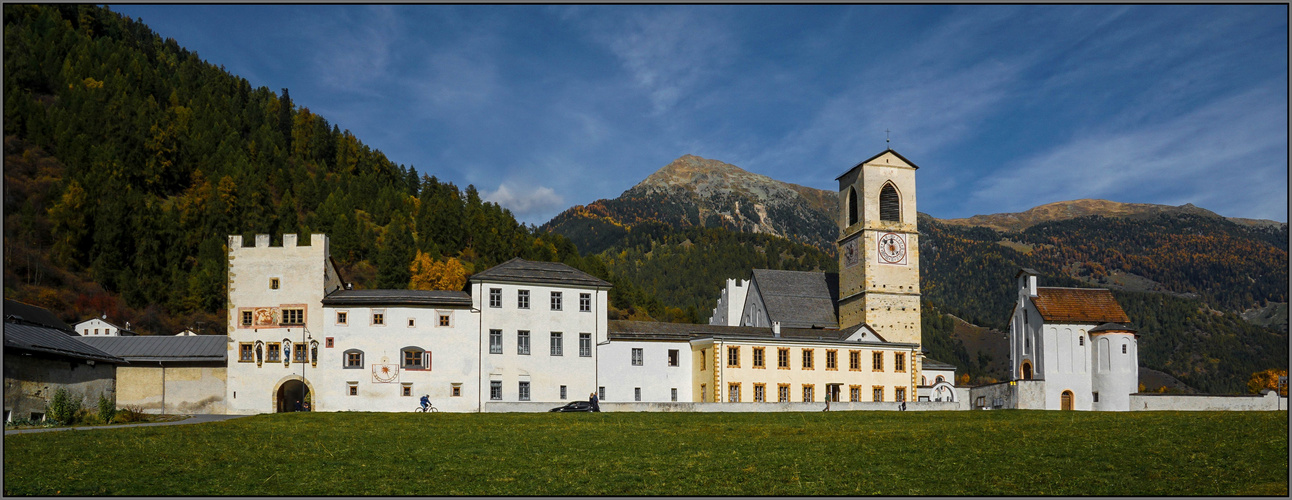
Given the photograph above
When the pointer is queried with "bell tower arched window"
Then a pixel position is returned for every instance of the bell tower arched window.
(890, 204)
(852, 206)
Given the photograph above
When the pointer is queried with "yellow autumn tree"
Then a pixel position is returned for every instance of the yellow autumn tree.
(1268, 379)
(430, 274)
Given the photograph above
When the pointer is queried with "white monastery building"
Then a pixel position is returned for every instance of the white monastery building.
(100, 327)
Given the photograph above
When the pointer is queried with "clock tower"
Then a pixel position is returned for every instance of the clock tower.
(879, 258)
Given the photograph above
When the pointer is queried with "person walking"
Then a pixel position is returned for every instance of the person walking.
(592, 398)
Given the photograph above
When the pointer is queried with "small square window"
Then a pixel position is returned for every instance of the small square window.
(341, 317)
(246, 318)
(379, 317)
(329, 342)
(354, 389)
(407, 391)
(444, 320)
(455, 391)
(245, 352)
(411, 322)
(273, 283)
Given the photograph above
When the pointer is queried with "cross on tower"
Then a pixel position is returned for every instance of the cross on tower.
(886, 141)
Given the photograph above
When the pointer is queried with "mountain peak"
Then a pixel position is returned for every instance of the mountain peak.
(1063, 210)
(700, 176)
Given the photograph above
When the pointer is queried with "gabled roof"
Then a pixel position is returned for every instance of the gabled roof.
(448, 298)
(120, 330)
(42, 339)
(881, 153)
(144, 348)
(1078, 305)
(519, 270)
(35, 315)
(799, 299)
(930, 364)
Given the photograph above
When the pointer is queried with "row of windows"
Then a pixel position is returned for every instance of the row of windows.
(405, 389)
(556, 343)
(273, 353)
(555, 302)
(808, 393)
(411, 358)
(831, 359)
(379, 318)
(638, 358)
(290, 316)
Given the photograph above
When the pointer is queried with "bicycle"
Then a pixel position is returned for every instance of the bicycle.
(429, 408)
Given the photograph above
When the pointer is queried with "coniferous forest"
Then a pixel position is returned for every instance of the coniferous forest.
(128, 160)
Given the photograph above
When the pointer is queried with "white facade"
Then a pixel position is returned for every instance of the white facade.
(543, 350)
(98, 327)
(1116, 369)
(654, 371)
(730, 304)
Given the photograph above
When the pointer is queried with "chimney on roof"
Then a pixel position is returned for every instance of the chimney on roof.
(776, 329)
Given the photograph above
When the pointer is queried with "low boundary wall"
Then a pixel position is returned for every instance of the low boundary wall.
(1269, 401)
(532, 407)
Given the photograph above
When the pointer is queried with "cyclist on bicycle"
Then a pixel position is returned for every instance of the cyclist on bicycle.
(426, 401)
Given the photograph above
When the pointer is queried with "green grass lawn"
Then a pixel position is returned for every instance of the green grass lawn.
(837, 453)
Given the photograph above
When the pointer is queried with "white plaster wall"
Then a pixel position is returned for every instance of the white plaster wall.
(544, 372)
(656, 379)
(454, 357)
(731, 303)
(691, 407)
(1120, 378)
(96, 327)
(304, 278)
(1058, 343)
(1206, 402)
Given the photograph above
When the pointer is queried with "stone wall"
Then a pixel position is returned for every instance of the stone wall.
(1207, 402)
(193, 389)
(30, 382)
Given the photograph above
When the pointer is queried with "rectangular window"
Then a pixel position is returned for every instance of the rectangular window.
(585, 302)
(585, 345)
(556, 301)
(808, 393)
(673, 391)
(444, 319)
(672, 357)
(411, 323)
(495, 297)
(601, 393)
(832, 359)
(877, 393)
(495, 390)
(562, 392)
(354, 389)
(637, 356)
(733, 357)
(758, 357)
(522, 299)
(379, 317)
(272, 352)
(854, 393)
(273, 283)
(899, 394)
(299, 354)
(412, 358)
(704, 393)
(637, 394)
(783, 358)
(522, 392)
(329, 342)
(733, 393)
(495, 341)
(406, 390)
(293, 316)
(703, 354)
(1096, 395)
(455, 391)
(557, 347)
(877, 361)
(354, 359)
(759, 393)
(341, 317)
(246, 352)
(807, 359)
(1123, 348)
(246, 318)
(783, 393)
(522, 342)
(854, 360)
(899, 362)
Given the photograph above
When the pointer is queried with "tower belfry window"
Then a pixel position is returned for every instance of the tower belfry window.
(890, 205)
(852, 206)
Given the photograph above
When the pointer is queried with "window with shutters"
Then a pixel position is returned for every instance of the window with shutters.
(890, 204)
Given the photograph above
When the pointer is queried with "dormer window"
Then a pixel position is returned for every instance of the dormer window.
(890, 204)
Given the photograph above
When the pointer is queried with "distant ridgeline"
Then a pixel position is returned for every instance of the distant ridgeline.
(128, 159)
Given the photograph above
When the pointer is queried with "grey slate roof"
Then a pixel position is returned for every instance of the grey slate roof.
(799, 299)
(652, 330)
(33, 314)
(519, 270)
(144, 348)
(398, 298)
(931, 364)
(21, 336)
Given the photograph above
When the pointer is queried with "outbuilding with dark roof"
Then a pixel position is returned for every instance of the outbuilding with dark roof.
(168, 373)
(42, 355)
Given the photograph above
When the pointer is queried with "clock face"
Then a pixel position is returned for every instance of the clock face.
(851, 256)
(892, 248)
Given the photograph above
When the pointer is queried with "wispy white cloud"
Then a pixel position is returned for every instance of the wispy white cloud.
(526, 201)
(1229, 156)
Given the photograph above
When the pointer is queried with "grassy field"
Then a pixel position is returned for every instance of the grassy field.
(838, 453)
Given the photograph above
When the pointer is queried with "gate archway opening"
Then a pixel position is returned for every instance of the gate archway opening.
(293, 395)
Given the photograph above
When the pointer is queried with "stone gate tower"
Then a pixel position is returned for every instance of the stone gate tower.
(879, 258)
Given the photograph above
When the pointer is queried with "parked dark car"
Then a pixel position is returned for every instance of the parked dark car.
(575, 406)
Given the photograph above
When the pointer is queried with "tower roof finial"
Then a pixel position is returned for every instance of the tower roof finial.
(887, 142)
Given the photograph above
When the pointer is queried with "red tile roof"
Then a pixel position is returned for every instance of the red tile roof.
(1078, 305)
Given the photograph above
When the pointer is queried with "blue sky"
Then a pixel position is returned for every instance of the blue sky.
(1002, 107)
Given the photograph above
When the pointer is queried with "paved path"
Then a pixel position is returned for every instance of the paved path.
(193, 419)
